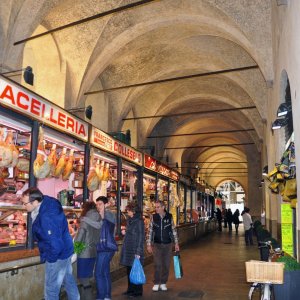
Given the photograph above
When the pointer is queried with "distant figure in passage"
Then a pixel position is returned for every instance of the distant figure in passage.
(224, 216)
(219, 219)
(50, 230)
(236, 220)
(229, 218)
(247, 220)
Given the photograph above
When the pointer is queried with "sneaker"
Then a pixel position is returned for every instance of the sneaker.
(155, 288)
(163, 287)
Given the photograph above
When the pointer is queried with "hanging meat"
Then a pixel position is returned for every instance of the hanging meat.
(93, 179)
(101, 171)
(24, 158)
(69, 166)
(52, 159)
(41, 165)
(4, 172)
(10, 143)
(6, 154)
(61, 163)
(106, 172)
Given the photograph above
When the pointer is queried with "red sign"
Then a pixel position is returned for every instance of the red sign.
(104, 141)
(32, 105)
(154, 165)
(150, 163)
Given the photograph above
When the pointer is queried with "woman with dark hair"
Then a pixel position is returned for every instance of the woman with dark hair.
(89, 235)
(236, 220)
(102, 269)
(133, 246)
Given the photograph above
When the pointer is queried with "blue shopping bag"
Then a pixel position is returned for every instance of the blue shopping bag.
(177, 266)
(137, 275)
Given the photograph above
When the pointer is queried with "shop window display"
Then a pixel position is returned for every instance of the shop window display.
(174, 201)
(14, 174)
(181, 206)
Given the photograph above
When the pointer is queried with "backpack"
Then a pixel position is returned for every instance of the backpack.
(107, 241)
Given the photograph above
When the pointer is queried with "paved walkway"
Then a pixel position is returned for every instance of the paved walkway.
(214, 269)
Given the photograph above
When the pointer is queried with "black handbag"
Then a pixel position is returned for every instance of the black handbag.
(107, 241)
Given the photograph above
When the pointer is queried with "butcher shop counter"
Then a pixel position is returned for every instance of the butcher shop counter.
(13, 231)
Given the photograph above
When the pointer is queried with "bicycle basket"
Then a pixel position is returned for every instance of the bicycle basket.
(264, 272)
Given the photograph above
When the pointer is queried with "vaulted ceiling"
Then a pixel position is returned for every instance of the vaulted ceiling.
(157, 40)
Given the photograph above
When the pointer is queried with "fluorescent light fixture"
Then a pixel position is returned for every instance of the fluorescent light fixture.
(278, 123)
(283, 110)
(265, 171)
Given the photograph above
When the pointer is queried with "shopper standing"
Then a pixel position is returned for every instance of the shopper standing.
(236, 220)
(162, 232)
(219, 219)
(88, 234)
(133, 246)
(247, 220)
(229, 218)
(102, 269)
(50, 230)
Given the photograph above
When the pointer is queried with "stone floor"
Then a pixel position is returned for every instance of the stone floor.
(214, 269)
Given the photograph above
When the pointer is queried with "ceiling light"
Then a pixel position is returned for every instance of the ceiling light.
(265, 170)
(278, 123)
(283, 110)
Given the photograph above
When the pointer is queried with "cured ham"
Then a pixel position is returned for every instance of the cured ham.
(10, 144)
(52, 159)
(93, 179)
(41, 165)
(6, 154)
(61, 163)
(69, 166)
(24, 158)
(106, 172)
(4, 172)
(101, 171)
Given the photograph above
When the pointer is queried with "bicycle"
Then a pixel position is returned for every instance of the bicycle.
(264, 274)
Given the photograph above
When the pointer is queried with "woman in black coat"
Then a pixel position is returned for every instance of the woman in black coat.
(236, 220)
(133, 246)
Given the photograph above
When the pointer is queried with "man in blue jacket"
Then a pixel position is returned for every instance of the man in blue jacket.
(50, 230)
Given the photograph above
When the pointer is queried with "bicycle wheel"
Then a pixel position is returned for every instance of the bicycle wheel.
(255, 292)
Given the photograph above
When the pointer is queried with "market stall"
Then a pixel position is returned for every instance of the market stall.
(114, 164)
(40, 145)
(160, 183)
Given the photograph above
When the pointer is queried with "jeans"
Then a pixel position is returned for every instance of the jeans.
(162, 258)
(102, 274)
(248, 236)
(57, 274)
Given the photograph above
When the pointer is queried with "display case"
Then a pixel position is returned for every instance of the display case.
(128, 185)
(181, 195)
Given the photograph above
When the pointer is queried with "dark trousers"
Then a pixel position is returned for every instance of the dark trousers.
(219, 225)
(102, 274)
(248, 236)
(162, 254)
(230, 226)
(133, 288)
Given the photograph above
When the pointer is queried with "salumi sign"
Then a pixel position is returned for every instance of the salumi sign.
(20, 99)
(154, 165)
(105, 142)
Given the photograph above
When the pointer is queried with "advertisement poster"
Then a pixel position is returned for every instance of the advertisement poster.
(287, 228)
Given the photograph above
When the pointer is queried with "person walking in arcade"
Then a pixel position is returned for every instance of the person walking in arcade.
(162, 232)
